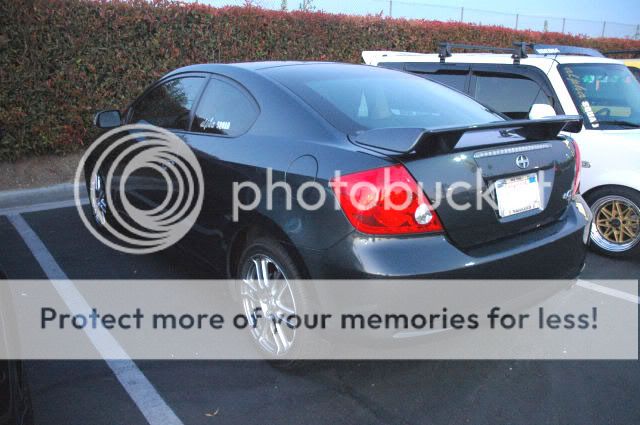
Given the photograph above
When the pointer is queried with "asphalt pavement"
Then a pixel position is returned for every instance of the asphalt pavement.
(339, 392)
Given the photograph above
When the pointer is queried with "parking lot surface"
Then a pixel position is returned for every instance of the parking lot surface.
(368, 392)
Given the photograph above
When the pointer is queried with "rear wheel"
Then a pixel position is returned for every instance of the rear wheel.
(267, 275)
(616, 221)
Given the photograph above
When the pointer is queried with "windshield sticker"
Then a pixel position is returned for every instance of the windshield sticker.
(575, 85)
(549, 51)
(586, 107)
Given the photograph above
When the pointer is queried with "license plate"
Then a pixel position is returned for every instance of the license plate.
(518, 194)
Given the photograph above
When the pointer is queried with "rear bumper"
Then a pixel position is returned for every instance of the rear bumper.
(556, 251)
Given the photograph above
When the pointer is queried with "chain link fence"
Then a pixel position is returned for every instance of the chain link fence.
(420, 10)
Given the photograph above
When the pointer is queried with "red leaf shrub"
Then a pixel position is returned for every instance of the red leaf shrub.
(63, 59)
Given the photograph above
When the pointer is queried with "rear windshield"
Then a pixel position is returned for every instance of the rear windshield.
(355, 98)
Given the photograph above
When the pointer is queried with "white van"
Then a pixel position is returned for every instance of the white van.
(558, 80)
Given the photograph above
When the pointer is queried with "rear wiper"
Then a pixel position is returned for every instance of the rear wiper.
(621, 122)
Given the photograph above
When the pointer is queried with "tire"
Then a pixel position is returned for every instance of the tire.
(285, 297)
(616, 221)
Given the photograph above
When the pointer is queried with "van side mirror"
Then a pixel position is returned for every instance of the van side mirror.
(541, 110)
(107, 119)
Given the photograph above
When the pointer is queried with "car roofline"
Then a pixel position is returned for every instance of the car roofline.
(381, 56)
(257, 66)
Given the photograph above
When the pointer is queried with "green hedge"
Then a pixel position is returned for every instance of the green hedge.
(60, 60)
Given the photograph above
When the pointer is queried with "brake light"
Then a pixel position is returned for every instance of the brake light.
(386, 201)
(578, 158)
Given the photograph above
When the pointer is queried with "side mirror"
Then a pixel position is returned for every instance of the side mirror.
(107, 119)
(541, 110)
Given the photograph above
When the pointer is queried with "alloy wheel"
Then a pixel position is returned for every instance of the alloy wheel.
(98, 199)
(266, 289)
(616, 226)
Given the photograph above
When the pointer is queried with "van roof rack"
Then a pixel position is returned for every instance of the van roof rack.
(633, 53)
(518, 51)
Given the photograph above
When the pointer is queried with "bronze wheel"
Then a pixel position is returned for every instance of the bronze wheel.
(616, 226)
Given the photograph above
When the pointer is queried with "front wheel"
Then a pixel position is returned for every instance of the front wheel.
(616, 223)
(98, 200)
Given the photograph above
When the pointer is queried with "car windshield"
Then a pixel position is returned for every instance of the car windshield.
(607, 95)
(358, 98)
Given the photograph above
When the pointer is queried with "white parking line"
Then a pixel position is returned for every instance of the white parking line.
(135, 383)
(45, 206)
(608, 291)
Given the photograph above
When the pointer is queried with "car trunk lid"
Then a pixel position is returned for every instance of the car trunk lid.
(490, 181)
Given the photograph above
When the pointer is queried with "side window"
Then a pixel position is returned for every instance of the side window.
(513, 95)
(454, 80)
(169, 104)
(454, 75)
(224, 109)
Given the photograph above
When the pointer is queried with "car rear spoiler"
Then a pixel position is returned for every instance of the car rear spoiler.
(444, 140)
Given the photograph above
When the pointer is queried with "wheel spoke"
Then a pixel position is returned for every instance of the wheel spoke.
(603, 211)
(249, 283)
(282, 318)
(278, 288)
(266, 285)
(251, 295)
(259, 274)
(264, 267)
(282, 337)
(628, 232)
(619, 214)
(277, 338)
(618, 234)
(264, 330)
(284, 308)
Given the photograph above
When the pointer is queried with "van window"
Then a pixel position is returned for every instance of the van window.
(453, 80)
(513, 95)
(361, 98)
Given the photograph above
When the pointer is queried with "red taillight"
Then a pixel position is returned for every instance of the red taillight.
(578, 158)
(385, 201)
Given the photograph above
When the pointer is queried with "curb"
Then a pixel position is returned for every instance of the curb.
(27, 197)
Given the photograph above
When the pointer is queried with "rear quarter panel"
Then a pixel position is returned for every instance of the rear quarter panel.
(610, 157)
(291, 142)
